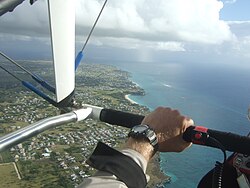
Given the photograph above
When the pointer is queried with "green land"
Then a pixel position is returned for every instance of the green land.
(56, 158)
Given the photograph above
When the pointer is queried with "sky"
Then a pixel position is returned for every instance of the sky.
(143, 30)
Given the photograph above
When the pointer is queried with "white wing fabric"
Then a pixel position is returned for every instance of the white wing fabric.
(62, 25)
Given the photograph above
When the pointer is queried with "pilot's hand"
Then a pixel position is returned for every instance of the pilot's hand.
(169, 126)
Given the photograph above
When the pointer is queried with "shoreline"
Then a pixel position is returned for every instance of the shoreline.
(130, 100)
(157, 177)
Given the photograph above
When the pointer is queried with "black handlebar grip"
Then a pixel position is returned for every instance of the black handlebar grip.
(230, 141)
(124, 119)
(188, 134)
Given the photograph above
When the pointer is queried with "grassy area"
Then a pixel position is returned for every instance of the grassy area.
(5, 157)
(60, 148)
(39, 173)
(7, 126)
(8, 176)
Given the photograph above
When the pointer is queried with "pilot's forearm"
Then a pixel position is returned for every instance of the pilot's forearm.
(142, 146)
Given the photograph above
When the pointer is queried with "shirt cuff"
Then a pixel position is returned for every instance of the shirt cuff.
(137, 157)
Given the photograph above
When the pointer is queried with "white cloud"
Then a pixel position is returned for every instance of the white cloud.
(132, 43)
(230, 2)
(178, 20)
(170, 46)
(240, 46)
(192, 20)
(131, 24)
(238, 22)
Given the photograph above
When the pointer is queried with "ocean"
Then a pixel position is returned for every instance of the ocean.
(213, 95)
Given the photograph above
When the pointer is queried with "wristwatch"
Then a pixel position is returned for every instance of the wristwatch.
(144, 131)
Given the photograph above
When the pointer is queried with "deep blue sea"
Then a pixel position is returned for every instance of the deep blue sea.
(213, 95)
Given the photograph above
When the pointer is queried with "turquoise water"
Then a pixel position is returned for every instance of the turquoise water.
(214, 96)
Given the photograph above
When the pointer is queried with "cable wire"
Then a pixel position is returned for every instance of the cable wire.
(15, 63)
(37, 78)
(10, 73)
(218, 169)
(94, 25)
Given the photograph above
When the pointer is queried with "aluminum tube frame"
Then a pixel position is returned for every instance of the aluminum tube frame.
(16, 137)
(96, 111)
(23, 134)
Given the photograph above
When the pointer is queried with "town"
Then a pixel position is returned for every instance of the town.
(56, 158)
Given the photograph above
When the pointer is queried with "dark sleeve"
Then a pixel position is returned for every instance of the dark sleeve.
(107, 159)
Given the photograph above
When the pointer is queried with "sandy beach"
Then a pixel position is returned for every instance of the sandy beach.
(130, 100)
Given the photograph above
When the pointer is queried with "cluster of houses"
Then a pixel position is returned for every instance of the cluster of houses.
(45, 146)
(24, 109)
(29, 109)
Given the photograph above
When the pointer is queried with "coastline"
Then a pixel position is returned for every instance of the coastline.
(130, 100)
(157, 177)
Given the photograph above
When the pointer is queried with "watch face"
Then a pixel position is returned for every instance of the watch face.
(143, 131)
(140, 128)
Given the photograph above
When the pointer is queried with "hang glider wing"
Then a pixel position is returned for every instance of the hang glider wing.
(62, 26)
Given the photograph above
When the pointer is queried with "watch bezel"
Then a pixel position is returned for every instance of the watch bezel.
(144, 131)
